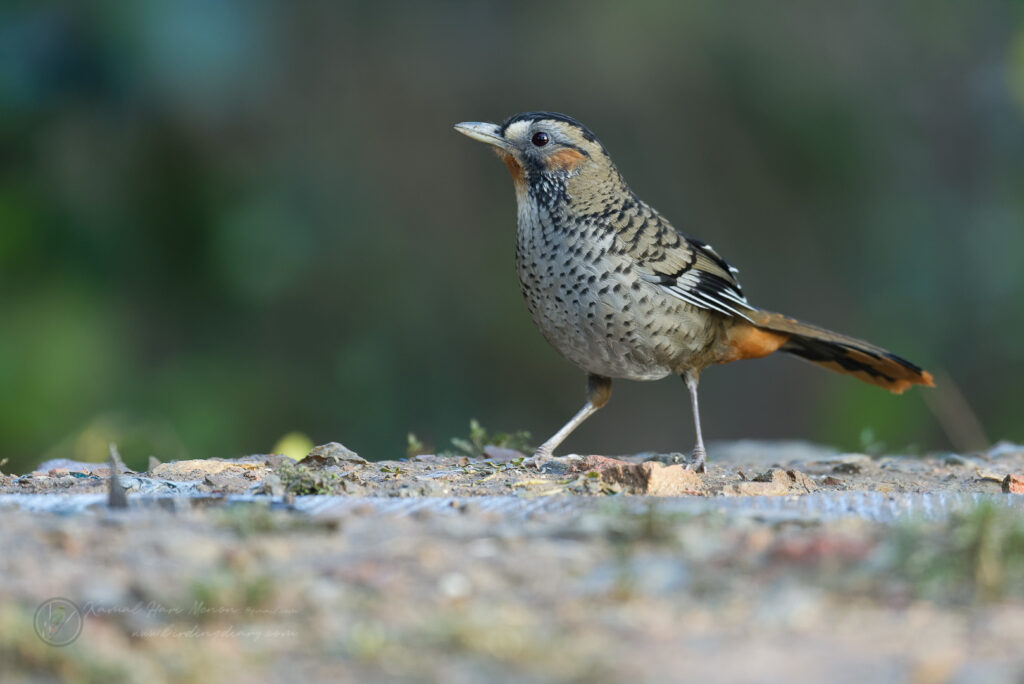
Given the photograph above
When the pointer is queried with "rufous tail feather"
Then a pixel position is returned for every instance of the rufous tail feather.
(827, 349)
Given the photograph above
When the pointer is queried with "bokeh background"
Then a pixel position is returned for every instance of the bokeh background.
(221, 223)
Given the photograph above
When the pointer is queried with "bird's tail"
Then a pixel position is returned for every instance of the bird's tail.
(828, 349)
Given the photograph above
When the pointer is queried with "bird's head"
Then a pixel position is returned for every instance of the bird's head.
(543, 150)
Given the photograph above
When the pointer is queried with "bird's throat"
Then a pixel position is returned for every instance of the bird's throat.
(517, 172)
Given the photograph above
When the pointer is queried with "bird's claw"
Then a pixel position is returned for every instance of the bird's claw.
(538, 460)
(698, 464)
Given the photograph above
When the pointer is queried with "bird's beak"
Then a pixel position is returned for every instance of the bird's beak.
(484, 132)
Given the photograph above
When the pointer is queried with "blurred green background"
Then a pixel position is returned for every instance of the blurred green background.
(224, 222)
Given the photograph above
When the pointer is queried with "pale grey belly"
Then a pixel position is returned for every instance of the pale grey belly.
(609, 326)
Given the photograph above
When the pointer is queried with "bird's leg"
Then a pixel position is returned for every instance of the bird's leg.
(699, 453)
(599, 389)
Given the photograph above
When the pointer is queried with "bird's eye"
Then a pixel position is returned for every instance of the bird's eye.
(540, 139)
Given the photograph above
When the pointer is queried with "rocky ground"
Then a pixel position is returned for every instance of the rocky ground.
(468, 569)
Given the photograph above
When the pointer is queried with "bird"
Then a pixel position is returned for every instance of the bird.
(622, 294)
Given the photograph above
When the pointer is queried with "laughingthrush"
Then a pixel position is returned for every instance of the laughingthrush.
(621, 293)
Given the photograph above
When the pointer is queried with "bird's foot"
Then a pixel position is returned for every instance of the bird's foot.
(698, 461)
(545, 460)
(538, 460)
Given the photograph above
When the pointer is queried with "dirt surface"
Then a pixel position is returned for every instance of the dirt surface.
(738, 470)
(607, 587)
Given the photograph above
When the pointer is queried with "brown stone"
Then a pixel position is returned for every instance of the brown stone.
(98, 469)
(774, 482)
(332, 454)
(222, 481)
(502, 454)
(272, 485)
(652, 478)
(198, 469)
(1013, 484)
(598, 463)
(671, 480)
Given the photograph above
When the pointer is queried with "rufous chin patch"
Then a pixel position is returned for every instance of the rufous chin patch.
(515, 169)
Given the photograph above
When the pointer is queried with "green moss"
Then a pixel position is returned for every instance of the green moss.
(301, 480)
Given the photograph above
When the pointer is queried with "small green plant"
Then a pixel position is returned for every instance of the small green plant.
(473, 445)
(413, 446)
(870, 444)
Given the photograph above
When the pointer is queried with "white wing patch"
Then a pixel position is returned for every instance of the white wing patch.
(704, 291)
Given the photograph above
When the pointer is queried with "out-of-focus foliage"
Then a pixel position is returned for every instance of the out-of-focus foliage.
(224, 222)
(974, 556)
